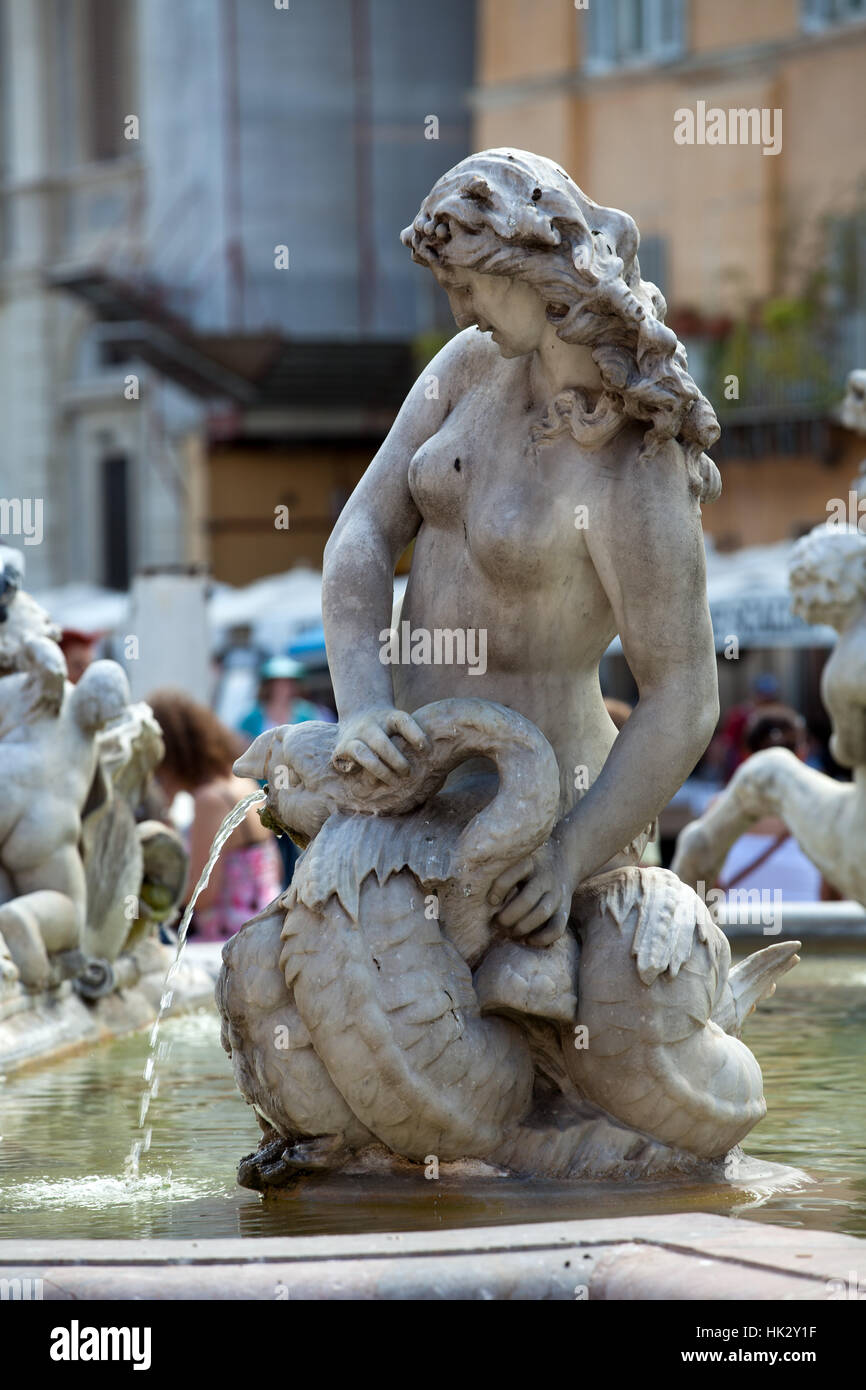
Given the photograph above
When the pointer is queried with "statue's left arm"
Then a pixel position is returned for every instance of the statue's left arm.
(645, 541)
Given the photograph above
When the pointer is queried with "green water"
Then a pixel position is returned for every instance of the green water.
(66, 1133)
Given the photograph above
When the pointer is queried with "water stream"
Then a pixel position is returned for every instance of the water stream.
(159, 1050)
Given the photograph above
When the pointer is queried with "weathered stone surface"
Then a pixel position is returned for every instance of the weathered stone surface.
(688, 1256)
(470, 965)
(42, 1027)
(76, 867)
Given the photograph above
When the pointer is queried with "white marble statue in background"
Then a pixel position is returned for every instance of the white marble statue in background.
(827, 578)
(73, 762)
(853, 410)
(135, 867)
(470, 962)
(853, 416)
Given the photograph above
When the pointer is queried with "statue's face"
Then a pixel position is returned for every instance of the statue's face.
(508, 309)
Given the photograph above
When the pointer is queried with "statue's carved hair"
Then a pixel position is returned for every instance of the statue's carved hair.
(828, 567)
(507, 212)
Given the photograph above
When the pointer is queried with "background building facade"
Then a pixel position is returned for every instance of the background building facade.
(761, 256)
(205, 309)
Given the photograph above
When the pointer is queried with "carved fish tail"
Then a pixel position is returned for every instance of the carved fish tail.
(654, 971)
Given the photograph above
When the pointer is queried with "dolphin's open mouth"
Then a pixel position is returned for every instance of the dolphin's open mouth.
(270, 822)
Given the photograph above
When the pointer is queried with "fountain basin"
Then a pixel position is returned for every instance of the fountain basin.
(43, 1027)
(184, 1229)
(827, 923)
(684, 1256)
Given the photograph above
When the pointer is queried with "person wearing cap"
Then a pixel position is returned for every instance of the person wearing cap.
(279, 700)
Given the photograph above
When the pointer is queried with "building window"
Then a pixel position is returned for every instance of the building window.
(624, 33)
(116, 561)
(653, 260)
(108, 78)
(818, 13)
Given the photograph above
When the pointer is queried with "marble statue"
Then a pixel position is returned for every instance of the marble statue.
(74, 760)
(853, 415)
(135, 866)
(853, 411)
(471, 962)
(827, 578)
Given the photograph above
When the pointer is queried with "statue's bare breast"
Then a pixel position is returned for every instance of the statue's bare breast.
(499, 545)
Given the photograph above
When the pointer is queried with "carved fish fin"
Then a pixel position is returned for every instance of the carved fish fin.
(755, 979)
(668, 916)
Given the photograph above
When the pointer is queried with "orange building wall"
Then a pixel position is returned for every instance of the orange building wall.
(739, 225)
(773, 499)
(734, 217)
(518, 39)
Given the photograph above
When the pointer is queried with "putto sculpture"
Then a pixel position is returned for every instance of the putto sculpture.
(470, 961)
(76, 868)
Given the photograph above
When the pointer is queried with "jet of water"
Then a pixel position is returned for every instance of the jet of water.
(156, 1054)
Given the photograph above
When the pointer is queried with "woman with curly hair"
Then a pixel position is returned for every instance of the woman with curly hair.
(549, 465)
(199, 753)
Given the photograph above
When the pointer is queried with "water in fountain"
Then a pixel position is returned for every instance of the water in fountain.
(158, 1051)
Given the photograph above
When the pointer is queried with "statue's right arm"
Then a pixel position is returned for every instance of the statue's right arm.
(373, 530)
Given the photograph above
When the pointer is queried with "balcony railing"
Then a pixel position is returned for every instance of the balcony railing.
(93, 213)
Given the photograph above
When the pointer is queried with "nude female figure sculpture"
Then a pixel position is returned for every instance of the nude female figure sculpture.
(469, 962)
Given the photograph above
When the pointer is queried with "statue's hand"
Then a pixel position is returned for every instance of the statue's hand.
(537, 896)
(46, 666)
(364, 741)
